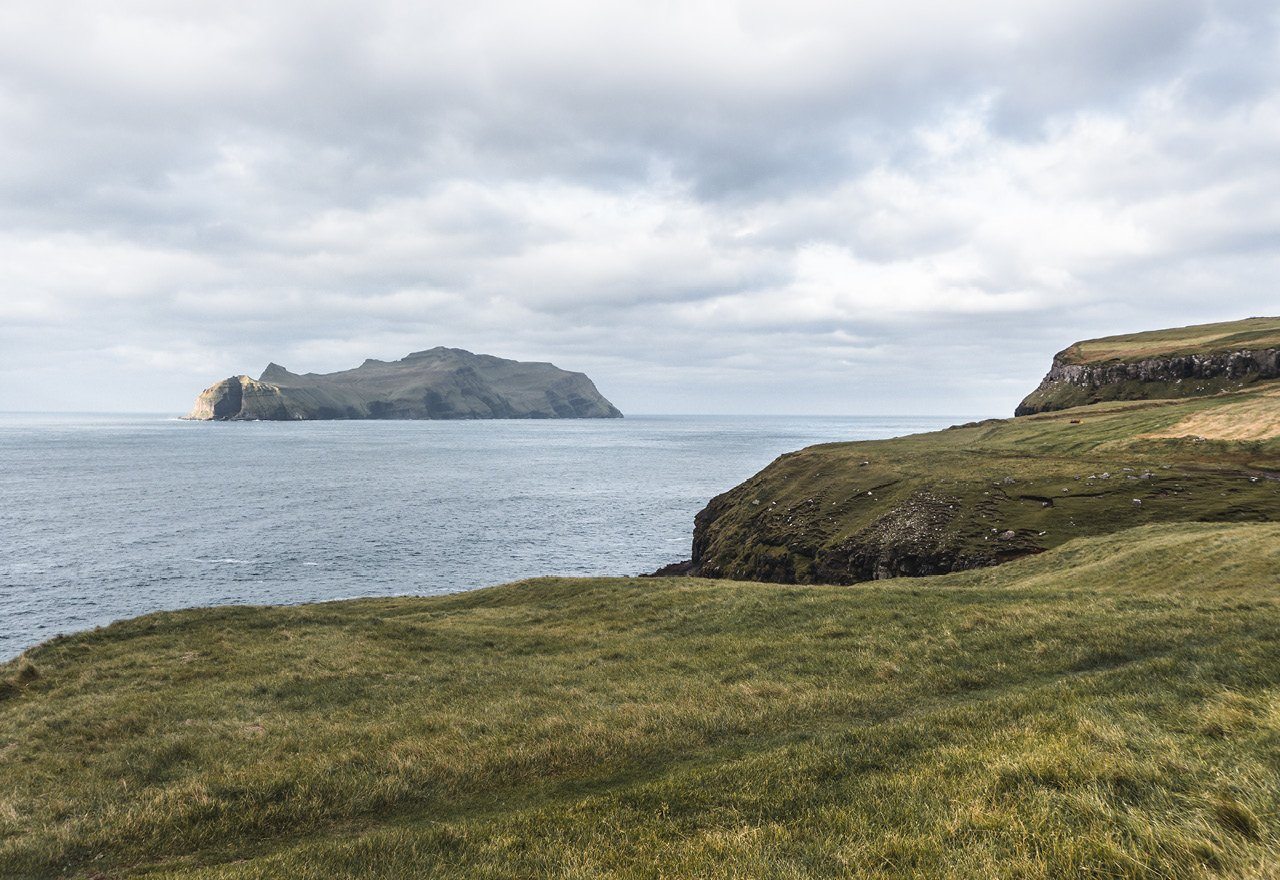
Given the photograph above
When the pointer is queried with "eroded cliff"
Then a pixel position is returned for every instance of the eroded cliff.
(1183, 362)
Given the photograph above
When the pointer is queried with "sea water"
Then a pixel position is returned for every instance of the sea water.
(104, 517)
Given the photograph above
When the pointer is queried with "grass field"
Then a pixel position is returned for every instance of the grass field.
(998, 490)
(1109, 709)
(1251, 333)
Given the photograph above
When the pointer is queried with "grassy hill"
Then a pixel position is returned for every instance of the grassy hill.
(1107, 709)
(990, 492)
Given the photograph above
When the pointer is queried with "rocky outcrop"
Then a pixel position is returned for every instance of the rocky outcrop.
(441, 383)
(242, 398)
(673, 569)
(1071, 384)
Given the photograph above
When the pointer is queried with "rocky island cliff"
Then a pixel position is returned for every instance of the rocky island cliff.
(985, 493)
(1183, 362)
(441, 383)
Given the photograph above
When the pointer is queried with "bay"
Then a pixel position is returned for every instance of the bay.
(104, 517)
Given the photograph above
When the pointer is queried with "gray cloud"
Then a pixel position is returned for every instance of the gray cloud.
(720, 206)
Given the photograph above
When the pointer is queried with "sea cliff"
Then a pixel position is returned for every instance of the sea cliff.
(1183, 362)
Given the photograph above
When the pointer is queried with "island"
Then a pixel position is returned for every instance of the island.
(439, 383)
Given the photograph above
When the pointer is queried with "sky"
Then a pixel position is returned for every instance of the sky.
(709, 207)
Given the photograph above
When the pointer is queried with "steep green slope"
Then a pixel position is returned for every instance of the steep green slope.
(986, 493)
(1109, 709)
(1183, 362)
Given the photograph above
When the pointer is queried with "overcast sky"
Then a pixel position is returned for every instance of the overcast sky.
(792, 207)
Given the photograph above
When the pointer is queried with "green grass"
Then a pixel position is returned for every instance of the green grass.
(1109, 709)
(1251, 333)
(990, 492)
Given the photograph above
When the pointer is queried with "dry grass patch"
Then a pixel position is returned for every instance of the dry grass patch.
(1256, 417)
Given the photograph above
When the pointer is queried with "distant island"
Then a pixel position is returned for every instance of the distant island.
(440, 383)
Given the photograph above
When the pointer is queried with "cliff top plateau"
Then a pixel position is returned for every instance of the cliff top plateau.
(1182, 362)
(1249, 334)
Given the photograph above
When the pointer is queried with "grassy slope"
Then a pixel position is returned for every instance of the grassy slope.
(1251, 333)
(832, 513)
(1110, 709)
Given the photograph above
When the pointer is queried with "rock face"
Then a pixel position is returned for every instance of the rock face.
(442, 383)
(1186, 362)
(1068, 384)
(240, 397)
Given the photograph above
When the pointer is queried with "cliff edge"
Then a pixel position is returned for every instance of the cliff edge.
(1182, 362)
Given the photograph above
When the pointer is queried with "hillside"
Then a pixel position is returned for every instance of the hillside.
(1107, 709)
(441, 383)
(1182, 362)
(1201, 450)
(986, 493)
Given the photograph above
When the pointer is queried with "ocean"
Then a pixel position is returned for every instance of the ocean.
(104, 517)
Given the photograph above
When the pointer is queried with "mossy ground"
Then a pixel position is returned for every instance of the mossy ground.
(1109, 709)
(981, 494)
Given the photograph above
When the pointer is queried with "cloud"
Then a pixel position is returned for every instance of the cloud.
(708, 206)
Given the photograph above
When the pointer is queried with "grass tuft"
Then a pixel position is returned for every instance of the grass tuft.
(1238, 818)
(27, 672)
